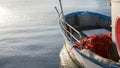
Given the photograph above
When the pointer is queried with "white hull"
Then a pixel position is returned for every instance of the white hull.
(75, 56)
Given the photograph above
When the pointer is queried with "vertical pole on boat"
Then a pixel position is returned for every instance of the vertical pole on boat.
(61, 7)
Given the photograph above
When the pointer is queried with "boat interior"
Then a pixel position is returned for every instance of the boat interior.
(87, 24)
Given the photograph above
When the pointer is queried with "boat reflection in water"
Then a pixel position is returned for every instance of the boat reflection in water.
(65, 60)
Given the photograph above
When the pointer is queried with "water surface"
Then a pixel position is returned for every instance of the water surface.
(29, 31)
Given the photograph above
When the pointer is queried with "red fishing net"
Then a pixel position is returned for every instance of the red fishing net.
(101, 44)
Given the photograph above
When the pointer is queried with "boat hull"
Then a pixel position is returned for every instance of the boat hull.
(81, 59)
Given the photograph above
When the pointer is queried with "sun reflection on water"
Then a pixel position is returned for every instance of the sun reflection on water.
(4, 15)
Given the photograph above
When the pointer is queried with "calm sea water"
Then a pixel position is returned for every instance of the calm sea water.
(29, 30)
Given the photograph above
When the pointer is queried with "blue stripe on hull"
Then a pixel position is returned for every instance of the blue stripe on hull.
(86, 13)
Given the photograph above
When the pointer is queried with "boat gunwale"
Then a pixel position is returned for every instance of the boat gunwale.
(86, 13)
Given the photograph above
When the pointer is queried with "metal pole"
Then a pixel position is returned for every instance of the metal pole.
(61, 7)
(56, 10)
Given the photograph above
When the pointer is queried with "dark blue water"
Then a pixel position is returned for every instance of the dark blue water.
(29, 30)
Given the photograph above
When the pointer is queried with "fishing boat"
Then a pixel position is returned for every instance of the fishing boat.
(81, 31)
